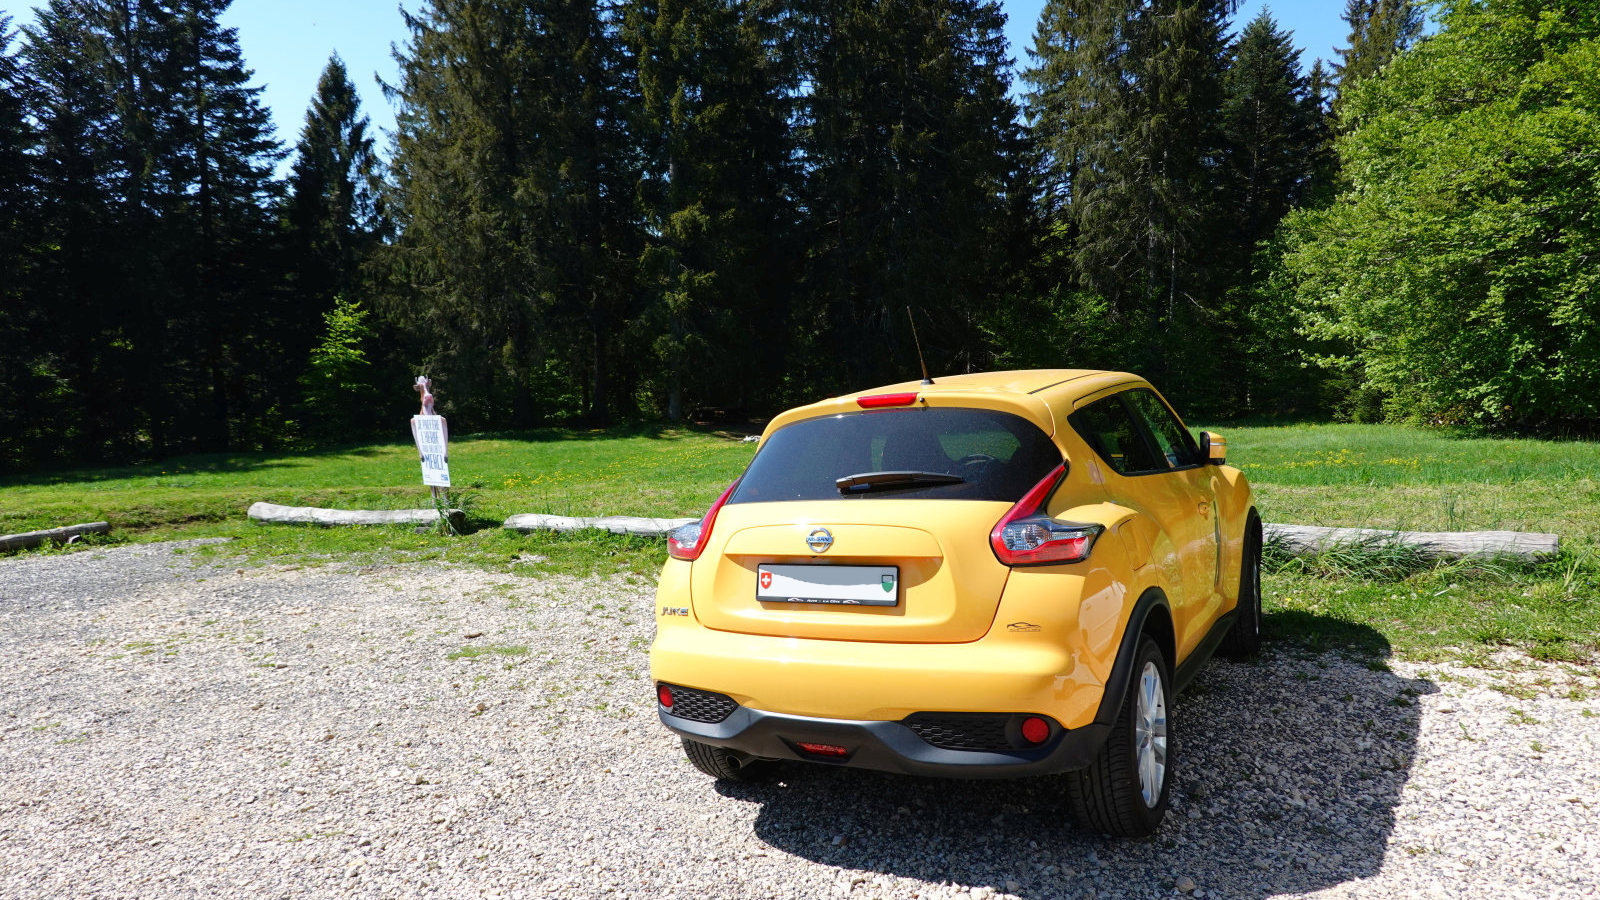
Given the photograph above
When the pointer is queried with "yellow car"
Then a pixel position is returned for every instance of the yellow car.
(994, 575)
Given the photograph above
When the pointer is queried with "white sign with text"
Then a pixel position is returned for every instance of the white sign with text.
(433, 437)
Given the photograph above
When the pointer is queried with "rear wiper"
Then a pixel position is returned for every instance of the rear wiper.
(867, 482)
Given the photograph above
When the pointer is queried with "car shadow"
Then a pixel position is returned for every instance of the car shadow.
(1289, 770)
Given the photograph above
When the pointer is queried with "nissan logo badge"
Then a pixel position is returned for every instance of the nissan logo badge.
(820, 540)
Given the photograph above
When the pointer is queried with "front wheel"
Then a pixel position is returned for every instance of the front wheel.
(1124, 791)
(724, 764)
(1244, 638)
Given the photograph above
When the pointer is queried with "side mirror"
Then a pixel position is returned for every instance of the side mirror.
(1213, 448)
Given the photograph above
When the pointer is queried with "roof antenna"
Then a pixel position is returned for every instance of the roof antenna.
(925, 378)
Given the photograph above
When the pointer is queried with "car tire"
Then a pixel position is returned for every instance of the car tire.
(1243, 640)
(724, 764)
(1124, 791)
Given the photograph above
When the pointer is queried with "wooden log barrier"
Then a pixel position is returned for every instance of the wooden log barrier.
(1302, 540)
(274, 514)
(526, 522)
(31, 539)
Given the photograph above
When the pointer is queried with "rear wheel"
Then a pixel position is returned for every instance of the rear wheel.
(1244, 638)
(1124, 791)
(724, 764)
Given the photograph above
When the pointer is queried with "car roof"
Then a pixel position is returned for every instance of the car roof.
(1040, 395)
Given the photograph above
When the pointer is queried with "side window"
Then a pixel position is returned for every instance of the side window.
(1172, 439)
(1108, 428)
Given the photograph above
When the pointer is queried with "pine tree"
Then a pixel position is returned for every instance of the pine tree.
(160, 173)
(905, 134)
(1123, 105)
(717, 198)
(1270, 123)
(514, 198)
(333, 216)
(1379, 29)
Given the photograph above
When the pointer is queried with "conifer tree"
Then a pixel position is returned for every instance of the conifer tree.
(515, 186)
(82, 208)
(160, 173)
(23, 343)
(905, 136)
(1379, 29)
(1123, 105)
(333, 216)
(1270, 122)
(718, 198)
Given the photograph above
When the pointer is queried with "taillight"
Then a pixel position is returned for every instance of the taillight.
(688, 542)
(880, 401)
(1027, 536)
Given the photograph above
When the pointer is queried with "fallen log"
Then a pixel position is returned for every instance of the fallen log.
(526, 522)
(31, 539)
(274, 514)
(1300, 540)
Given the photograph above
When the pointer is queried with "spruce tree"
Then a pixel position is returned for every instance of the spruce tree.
(156, 198)
(1123, 104)
(82, 304)
(1270, 123)
(24, 342)
(905, 136)
(333, 216)
(514, 198)
(717, 199)
(224, 158)
(1379, 29)
(1275, 159)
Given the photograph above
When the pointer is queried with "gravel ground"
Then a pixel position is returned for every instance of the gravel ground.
(174, 728)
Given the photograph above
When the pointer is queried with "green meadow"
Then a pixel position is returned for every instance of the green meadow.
(1368, 600)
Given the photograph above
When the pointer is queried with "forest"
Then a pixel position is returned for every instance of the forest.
(595, 211)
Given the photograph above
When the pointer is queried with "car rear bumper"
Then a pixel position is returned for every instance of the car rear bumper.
(1027, 672)
(886, 746)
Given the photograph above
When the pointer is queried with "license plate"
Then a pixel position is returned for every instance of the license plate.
(839, 585)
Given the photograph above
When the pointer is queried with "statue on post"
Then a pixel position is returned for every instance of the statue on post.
(432, 435)
(424, 385)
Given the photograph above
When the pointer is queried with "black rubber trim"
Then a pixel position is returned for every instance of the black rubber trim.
(1185, 674)
(1122, 667)
(1117, 684)
(888, 746)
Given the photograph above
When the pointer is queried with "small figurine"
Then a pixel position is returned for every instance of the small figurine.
(423, 384)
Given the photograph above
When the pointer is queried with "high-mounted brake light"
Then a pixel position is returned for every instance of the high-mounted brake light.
(688, 542)
(880, 401)
(1027, 536)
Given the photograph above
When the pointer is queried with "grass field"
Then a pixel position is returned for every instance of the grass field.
(1358, 475)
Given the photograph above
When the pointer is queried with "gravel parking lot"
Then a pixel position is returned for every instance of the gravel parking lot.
(173, 728)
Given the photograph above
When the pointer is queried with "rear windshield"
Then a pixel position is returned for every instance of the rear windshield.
(995, 456)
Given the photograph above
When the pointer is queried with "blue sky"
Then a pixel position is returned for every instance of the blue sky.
(287, 42)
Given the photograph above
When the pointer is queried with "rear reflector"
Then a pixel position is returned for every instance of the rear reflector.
(664, 694)
(832, 751)
(879, 401)
(1035, 730)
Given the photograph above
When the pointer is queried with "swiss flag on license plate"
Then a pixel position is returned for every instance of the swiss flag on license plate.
(766, 579)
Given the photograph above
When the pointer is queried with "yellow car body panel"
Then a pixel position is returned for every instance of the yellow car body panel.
(969, 634)
(941, 587)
